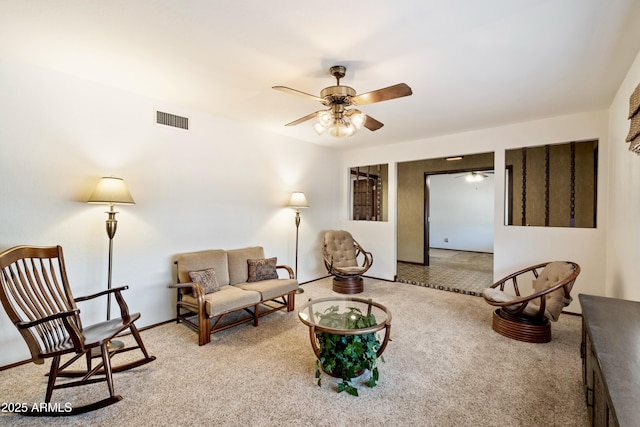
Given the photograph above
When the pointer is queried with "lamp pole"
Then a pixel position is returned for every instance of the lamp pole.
(297, 228)
(112, 226)
(298, 201)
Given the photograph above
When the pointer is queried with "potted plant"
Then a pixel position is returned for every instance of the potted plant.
(347, 356)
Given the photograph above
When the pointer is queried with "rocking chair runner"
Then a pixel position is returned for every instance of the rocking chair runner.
(36, 295)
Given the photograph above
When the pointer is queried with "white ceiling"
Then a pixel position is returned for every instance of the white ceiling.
(471, 64)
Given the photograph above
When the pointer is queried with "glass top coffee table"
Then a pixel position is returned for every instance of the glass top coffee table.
(345, 316)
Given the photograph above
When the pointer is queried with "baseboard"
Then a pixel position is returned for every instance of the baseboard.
(144, 328)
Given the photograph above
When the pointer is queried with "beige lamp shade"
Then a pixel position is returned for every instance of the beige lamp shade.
(111, 190)
(298, 200)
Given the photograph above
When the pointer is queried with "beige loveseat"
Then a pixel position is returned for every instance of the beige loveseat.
(214, 284)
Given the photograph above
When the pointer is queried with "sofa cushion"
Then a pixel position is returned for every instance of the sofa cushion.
(205, 278)
(270, 289)
(238, 266)
(216, 259)
(228, 298)
(262, 269)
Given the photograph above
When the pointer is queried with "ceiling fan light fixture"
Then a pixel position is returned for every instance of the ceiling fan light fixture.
(342, 128)
(317, 126)
(358, 119)
(474, 177)
(325, 118)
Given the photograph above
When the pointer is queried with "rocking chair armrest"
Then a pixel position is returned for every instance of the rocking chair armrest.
(101, 293)
(124, 309)
(61, 315)
(288, 269)
(74, 333)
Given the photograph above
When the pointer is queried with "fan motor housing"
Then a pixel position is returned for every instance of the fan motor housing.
(340, 94)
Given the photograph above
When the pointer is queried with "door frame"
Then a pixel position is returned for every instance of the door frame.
(427, 205)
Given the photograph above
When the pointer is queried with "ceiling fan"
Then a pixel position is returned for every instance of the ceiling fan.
(475, 176)
(338, 118)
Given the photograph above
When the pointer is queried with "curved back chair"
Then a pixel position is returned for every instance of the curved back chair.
(527, 317)
(341, 254)
(35, 293)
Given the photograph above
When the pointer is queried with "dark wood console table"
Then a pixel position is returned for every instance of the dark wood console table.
(611, 360)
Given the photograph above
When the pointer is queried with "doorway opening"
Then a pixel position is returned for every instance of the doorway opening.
(445, 223)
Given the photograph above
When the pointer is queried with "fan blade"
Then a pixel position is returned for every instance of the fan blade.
(372, 124)
(297, 92)
(391, 92)
(303, 119)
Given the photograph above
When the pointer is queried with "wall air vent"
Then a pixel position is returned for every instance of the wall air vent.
(172, 120)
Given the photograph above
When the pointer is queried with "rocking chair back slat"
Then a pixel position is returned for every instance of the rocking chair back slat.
(35, 287)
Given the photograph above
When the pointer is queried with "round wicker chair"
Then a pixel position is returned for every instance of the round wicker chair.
(341, 254)
(527, 317)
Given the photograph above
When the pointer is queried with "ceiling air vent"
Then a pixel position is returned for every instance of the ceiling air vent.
(172, 120)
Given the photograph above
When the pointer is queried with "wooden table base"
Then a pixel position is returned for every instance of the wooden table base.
(351, 285)
(521, 329)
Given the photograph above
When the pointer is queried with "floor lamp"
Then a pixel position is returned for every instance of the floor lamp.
(298, 201)
(111, 191)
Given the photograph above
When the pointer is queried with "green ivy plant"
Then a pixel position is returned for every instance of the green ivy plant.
(347, 356)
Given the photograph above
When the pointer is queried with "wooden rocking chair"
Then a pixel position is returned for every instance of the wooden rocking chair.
(36, 295)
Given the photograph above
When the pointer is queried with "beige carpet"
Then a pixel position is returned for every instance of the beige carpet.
(444, 367)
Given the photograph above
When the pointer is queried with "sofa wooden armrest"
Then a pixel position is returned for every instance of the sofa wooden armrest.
(288, 269)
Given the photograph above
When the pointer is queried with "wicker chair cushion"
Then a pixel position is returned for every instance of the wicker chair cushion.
(340, 246)
(551, 275)
(495, 294)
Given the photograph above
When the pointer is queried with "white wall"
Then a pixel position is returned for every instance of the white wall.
(219, 185)
(623, 243)
(514, 247)
(461, 212)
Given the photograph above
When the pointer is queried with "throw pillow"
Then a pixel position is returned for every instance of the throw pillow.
(205, 278)
(262, 269)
